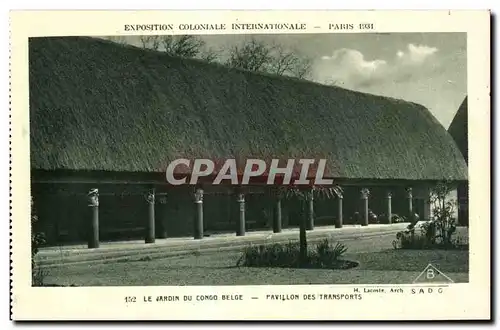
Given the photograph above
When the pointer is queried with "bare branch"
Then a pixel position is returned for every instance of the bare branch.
(252, 56)
(259, 56)
(180, 46)
(302, 69)
(209, 55)
(183, 46)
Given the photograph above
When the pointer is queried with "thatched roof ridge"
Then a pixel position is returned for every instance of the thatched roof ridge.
(458, 129)
(96, 105)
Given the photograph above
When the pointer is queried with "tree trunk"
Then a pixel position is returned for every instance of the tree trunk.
(277, 215)
(302, 235)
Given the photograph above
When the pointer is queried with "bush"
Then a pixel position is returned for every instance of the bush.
(325, 255)
(408, 239)
(445, 223)
(434, 234)
(425, 238)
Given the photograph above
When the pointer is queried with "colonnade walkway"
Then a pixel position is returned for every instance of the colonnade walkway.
(122, 251)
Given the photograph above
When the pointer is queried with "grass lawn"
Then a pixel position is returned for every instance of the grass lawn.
(414, 260)
(379, 264)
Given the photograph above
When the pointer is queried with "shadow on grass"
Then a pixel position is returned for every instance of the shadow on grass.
(339, 265)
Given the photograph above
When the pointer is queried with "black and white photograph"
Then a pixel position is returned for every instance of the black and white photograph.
(386, 111)
(250, 165)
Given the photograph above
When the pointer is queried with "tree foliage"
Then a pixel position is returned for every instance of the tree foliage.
(439, 231)
(302, 192)
(443, 215)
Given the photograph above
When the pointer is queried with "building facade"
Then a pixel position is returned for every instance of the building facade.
(107, 119)
(459, 131)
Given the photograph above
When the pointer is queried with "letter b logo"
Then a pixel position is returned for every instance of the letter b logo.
(432, 274)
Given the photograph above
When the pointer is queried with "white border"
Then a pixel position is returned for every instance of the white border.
(215, 4)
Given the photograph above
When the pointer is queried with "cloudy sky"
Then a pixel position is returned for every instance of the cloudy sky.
(426, 68)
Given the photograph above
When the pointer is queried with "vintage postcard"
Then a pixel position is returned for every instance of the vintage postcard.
(250, 165)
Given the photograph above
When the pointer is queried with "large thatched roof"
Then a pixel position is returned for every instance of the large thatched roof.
(96, 105)
(458, 129)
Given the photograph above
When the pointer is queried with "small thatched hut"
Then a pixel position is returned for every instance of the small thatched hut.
(111, 117)
(458, 130)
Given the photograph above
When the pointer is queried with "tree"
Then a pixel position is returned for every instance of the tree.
(252, 56)
(444, 222)
(209, 55)
(188, 46)
(287, 62)
(183, 46)
(303, 194)
(271, 58)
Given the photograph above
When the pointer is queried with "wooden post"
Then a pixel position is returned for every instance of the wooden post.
(389, 207)
(339, 220)
(277, 215)
(409, 192)
(162, 208)
(150, 225)
(93, 236)
(310, 209)
(240, 230)
(198, 221)
(364, 196)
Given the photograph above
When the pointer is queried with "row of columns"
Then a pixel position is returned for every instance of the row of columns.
(93, 197)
